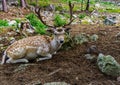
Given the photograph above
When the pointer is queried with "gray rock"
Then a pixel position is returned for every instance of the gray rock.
(94, 37)
(21, 67)
(117, 36)
(118, 4)
(110, 20)
(108, 65)
(89, 56)
(81, 38)
(56, 83)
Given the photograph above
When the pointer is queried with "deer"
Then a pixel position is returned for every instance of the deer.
(39, 47)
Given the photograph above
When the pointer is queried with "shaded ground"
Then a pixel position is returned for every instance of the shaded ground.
(71, 65)
(14, 12)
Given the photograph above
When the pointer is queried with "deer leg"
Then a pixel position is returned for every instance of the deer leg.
(47, 56)
(10, 60)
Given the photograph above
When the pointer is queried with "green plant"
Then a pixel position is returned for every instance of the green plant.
(68, 42)
(81, 16)
(59, 8)
(59, 21)
(43, 3)
(39, 26)
(3, 23)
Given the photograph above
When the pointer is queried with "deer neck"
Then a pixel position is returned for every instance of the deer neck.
(55, 45)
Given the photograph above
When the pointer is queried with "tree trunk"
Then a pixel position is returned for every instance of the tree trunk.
(4, 6)
(23, 3)
(88, 5)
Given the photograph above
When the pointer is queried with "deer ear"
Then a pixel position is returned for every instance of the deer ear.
(50, 30)
(67, 29)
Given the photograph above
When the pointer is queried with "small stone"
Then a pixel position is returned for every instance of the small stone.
(117, 36)
(75, 16)
(21, 67)
(81, 38)
(89, 56)
(118, 79)
(118, 4)
(12, 23)
(110, 20)
(94, 37)
(56, 83)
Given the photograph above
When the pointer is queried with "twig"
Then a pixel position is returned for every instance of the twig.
(54, 72)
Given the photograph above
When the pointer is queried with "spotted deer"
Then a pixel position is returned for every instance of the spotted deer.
(23, 50)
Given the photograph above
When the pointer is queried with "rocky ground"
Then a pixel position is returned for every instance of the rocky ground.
(68, 66)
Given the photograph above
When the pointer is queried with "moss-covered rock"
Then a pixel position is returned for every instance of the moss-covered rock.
(108, 65)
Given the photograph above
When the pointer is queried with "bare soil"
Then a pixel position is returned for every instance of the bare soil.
(67, 65)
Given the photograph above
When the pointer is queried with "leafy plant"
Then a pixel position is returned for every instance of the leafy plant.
(3, 23)
(81, 16)
(59, 21)
(59, 8)
(39, 26)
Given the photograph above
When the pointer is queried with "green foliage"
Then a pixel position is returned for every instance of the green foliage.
(68, 42)
(3, 23)
(59, 8)
(70, 0)
(107, 3)
(33, 4)
(81, 16)
(39, 26)
(58, 21)
(43, 3)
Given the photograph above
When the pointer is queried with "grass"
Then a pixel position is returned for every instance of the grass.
(108, 6)
(3, 23)
(58, 21)
(39, 26)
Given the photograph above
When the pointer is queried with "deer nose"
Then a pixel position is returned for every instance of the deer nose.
(61, 41)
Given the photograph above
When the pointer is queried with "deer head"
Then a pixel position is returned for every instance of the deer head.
(58, 32)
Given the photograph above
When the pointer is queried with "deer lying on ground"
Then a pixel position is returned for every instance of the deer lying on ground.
(31, 47)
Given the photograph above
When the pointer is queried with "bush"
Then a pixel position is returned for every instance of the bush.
(58, 21)
(39, 26)
(3, 23)
(81, 16)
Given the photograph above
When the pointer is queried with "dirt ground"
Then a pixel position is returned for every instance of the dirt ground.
(71, 65)
(67, 65)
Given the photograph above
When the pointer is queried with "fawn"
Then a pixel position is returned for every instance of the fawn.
(36, 46)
